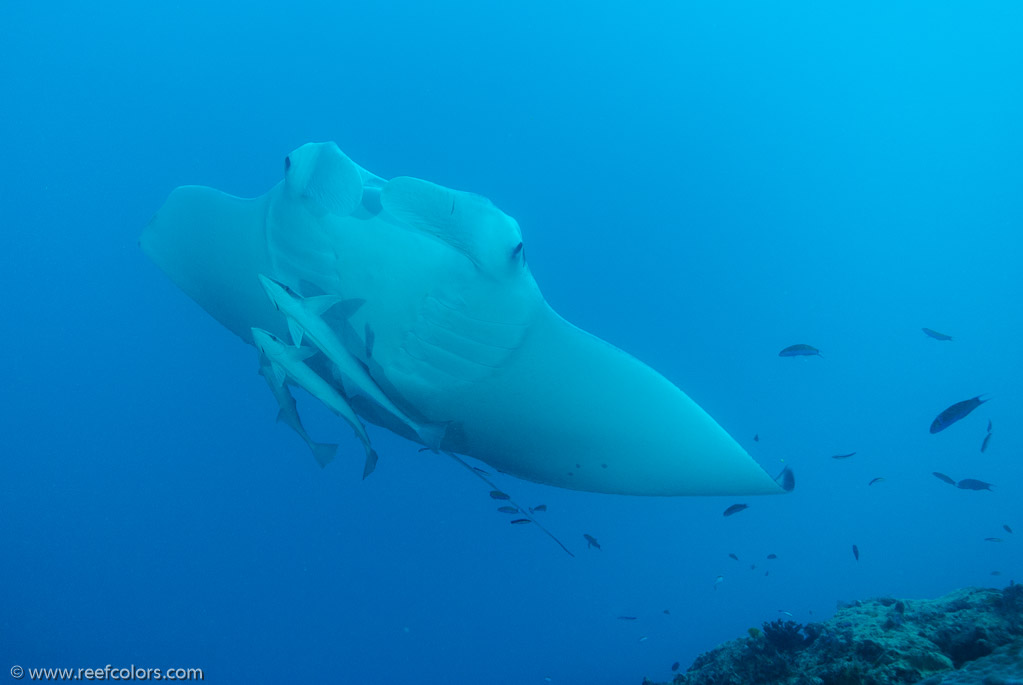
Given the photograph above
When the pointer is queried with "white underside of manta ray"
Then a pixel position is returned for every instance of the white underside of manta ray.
(410, 306)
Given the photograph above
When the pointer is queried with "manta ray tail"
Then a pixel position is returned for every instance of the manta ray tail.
(522, 510)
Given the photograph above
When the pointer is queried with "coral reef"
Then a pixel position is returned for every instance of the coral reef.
(971, 636)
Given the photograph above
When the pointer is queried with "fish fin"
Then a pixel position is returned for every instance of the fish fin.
(325, 179)
(321, 303)
(467, 222)
(302, 353)
(371, 463)
(296, 332)
(432, 434)
(337, 314)
(323, 452)
(276, 374)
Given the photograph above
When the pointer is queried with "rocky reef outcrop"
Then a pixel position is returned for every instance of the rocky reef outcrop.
(971, 636)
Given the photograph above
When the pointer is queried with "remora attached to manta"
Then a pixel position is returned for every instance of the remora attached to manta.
(449, 341)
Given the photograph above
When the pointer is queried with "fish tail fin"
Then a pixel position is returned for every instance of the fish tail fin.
(371, 463)
(432, 434)
(323, 452)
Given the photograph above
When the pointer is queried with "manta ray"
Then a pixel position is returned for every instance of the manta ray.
(411, 306)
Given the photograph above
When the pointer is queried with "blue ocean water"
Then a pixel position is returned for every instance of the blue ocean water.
(699, 184)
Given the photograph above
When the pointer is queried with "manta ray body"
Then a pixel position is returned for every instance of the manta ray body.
(413, 304)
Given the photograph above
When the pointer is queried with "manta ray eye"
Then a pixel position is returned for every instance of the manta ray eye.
(287, 164)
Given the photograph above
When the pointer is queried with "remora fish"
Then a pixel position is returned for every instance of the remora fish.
(288, 362)
(800, 350)
(305, 320)
(288, 414)
(957, 412)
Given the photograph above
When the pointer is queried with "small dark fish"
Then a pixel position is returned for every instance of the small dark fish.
(772, 556)
(756, 438)
(800, 350)
(856, 552)
(538, 507)
(508, 510)
(626, 618)
(973, 484)
(875, 480)
(518, 522)
(591, 541)
(603, 466)
(957, 412)
(733, 556)
(996, 573)
(735, 509)
(942, 476)
(934, 334)
(767, 573)
(983, 445)
(667, 612)
(843, 456)
(1006, 527)
(497, 494)
(752, 567)
(674, 666)
(993, 540)
(989, 425)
